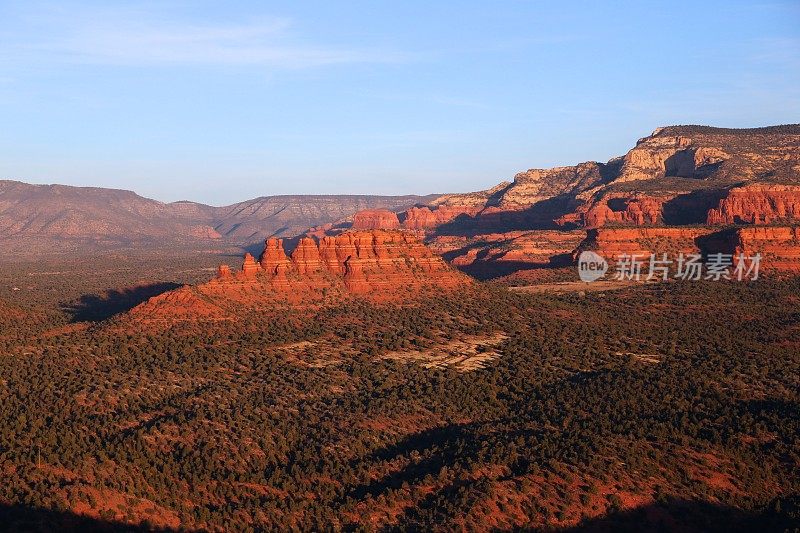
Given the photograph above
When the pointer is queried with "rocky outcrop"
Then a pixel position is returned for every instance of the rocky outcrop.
(363, 261)
(674, 170)
(779, 246)
(758, 204)
(612, 243)
(380, 265)
(273, 259)
(536, 185)
(664, 154)
(672, 182)
(636, 210)
(375, 219)
(249, 267)
(424, 218)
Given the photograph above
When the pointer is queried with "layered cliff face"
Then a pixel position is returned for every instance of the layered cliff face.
(375, 219)
(670, 152)
(536, 197)
(536, 185)
(428, 218)
(674, 176)
(715, 154)
(758, 204)
(779, 246)
(612, 243)
(635, 210)
(677, 179)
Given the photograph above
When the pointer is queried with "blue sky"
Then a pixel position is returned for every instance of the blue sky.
(223, 101)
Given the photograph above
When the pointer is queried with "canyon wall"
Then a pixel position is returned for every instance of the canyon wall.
(612, 243)
(778, 246)
(758, 204)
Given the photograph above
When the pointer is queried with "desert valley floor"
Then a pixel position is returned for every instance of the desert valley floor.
(665, 405)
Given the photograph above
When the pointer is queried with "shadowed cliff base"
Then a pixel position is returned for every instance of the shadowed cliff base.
(24, 519)
(98, 307)
(541, 215)
(692, 207)
(489, 270)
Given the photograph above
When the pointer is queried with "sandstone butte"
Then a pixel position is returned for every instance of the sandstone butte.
(676, 189)
(381, 265)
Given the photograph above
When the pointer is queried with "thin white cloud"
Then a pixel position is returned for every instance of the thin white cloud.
(136, 38)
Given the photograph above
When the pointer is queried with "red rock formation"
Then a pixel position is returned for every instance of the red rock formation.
(421, 218)
(779, 246)
(363, 261)
(382, 265)
(250, 267)
(637, 210)
(612, 243)
(273, 259)
(185, 303)
(375, 219)
(758, 204)
(306, 258)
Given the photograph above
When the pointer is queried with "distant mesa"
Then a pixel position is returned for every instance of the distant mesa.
(45, 219)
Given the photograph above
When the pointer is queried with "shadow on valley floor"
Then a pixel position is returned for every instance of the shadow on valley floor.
(681, 515)
(668, 516)
(486, 266)
(24, 519)
(97, 307)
